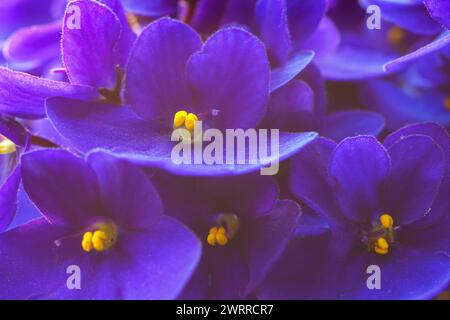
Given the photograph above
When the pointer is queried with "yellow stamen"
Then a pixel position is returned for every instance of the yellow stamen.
(387, 222)
(447, 103)
(190, 121)
(102, 238)
(217, 236)
(381, 246)
(396, 35)
(133, 22)
(6, 145)
(179, 118)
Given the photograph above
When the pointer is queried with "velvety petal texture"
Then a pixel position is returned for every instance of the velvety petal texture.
(150, 249)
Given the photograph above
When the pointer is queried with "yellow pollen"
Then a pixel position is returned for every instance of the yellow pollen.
(101, 239)
(6, 146)
(179, 118)
(387, 222)
(381, 246)
(190, 121)
(217, 236)
(395, 35)
(447, 103)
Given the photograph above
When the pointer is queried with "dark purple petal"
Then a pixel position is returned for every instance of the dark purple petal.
(26, 211)
(439, 11)
(310, 181)
(35, 45)
(91, 125)
(359, 166)
(304, 17)
(23, 95)
(207, 15)
(14, 131)
(231, 74)
(32, 266)
(271, 19)
(400, 106)
(239, 12)
(417, 169)
(62, 186)
(156, 81)
(290, 106)
(153, 8)
(325, 40)
(232, 194)
(126, 192)
(410, 15)
(157, 264)
(343, 124)
(441, 205)
(91, 57)
(285, 73)
(437, 44)
(270, 234)
(8, 199)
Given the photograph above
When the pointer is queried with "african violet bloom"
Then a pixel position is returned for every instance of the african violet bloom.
(94, 71)
(385, 205)
(14, 139)
(172, 79)
(406, 29)
(242, 224)
(104, 216)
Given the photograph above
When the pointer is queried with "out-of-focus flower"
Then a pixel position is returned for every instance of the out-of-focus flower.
(30, 34)
(385, 205)
(420, 92)
(364, 53)
(104, 216)
(243, 226)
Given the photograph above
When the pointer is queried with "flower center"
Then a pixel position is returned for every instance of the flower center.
(395, 35)
(227, 226)
(113, 95)
(6, 145)
(381, 236)
(102, 237)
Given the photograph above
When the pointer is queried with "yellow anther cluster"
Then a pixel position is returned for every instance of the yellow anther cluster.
(99, 240)
(186, 119)
(386, 221)
(381, 246)
(6, 146)
(217, 236)
(396, 35)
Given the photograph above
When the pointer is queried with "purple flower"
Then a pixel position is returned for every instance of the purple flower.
(419, 92)
(103, 216)
(301, 105)
(243, 226)
(151, 8)
(14, 139)
(385, 205)
(170, 70)
(406, 28)
(31, 31)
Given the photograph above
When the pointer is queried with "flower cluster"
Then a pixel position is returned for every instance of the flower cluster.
(96, 97)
